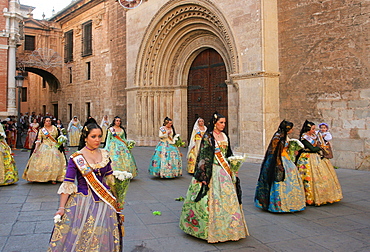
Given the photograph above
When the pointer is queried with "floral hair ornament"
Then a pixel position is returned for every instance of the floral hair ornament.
(86, 129)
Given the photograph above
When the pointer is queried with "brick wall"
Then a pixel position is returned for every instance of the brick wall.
(117, 44)
(4, 65)
(325, 72)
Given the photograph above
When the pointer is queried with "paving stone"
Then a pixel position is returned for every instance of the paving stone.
(342, 226)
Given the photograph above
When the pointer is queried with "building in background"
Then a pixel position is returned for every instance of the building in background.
(256, 61)
(11, 37)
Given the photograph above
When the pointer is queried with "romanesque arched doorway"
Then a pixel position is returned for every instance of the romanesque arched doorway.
(207, 90)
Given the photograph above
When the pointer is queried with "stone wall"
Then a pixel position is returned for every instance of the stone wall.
(325, 72)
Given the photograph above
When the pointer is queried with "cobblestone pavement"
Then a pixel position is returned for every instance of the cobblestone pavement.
(27, 209)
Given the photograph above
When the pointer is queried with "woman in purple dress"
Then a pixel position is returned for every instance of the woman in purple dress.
(90, 219)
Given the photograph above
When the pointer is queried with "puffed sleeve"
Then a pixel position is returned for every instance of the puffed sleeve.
(327, 136)
(162, 133)
(39, 136)
(68, 186)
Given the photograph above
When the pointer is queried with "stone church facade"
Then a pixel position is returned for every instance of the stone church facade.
(258, 62)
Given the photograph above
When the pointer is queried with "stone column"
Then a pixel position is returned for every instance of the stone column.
(12, 108)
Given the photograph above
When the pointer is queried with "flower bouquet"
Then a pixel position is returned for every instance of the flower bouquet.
(236, 162)
(178, 141)
(64, 131)
(130, 144)
(294, 145)
(122, 181)
(61, 140)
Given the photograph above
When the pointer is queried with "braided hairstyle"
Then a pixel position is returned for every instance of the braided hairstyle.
(215, 118)
(89, 125)
(284, 128)
(307, 125)
(166, 121)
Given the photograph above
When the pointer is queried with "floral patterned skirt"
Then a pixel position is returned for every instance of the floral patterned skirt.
(122, 159)
(8, 170)
(74, 137)
(31, 137)
(287, 195)
(192, 157)
(218, 216)
(86, 226)
(166, 161)
(47, 164)
(320, 181)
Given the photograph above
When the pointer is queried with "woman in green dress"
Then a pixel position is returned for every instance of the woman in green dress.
(116, 145)
(212, 209)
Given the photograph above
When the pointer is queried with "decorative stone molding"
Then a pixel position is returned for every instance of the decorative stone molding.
(98, 20)
(244, 76)
(194, 20)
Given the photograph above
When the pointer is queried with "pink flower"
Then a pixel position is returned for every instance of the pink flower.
(191, 213)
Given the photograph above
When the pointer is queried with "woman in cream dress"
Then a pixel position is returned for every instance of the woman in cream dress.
(47, 162)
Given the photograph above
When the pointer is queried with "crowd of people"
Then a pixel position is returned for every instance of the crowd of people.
(294, 173)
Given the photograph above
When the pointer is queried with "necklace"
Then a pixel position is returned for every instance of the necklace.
(91, 150)
(218, 133)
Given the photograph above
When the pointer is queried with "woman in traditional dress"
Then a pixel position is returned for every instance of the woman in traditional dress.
(166, 160)
(212, 209)
(90, 220)
(196, 137)
(59, 125)
(8, 170)
(31, 134)
(104, 126)
(320, 181)
(11, 133)
(116, 145)
(47, 161)
(279, 187)
(74, 129)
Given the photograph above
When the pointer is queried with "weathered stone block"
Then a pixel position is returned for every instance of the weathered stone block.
(349, 124)
(359, 104)
(350, 145)
(365, 94)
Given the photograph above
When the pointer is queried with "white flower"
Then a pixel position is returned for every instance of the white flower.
(122, 175)
(176, 137)
(57, 218)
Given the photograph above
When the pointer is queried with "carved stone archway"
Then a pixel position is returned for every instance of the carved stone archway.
(174, 37)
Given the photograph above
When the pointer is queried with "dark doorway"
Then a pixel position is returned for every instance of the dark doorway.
(207, 90)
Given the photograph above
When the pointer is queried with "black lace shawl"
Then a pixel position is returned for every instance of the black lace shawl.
(203, 166)
(272, 169)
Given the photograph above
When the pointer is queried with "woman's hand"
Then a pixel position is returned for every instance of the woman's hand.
(60, 212)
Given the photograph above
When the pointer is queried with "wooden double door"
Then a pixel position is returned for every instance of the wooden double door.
(207, 90)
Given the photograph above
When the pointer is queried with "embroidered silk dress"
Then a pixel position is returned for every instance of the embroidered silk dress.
(31, 135)
(122, 159)
(166, 160)
(217, 216)
(193, 149)
(8, 170)
(47, 163)
(74, 129)
(318, 175)
(282, 196)
(89, 224)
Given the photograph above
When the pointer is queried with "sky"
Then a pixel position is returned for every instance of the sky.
(45, 6)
